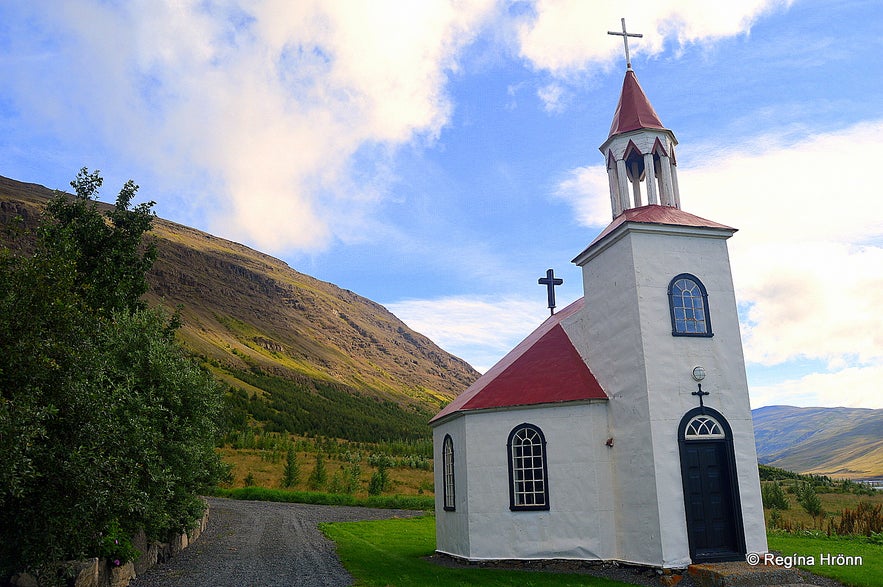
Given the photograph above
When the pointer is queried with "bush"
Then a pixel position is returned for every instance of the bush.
(807, 498)
(106, 426)
(773, 496)
(291, 472)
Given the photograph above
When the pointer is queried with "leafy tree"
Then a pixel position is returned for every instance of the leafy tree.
(106, 426)
(808, 499)
(319, 475)
(291, 472)
(379, 480)
(773, 496)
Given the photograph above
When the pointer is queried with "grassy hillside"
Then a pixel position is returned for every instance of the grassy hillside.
(837, 442)
(300, 355)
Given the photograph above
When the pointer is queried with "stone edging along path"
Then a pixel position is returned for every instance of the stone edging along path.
(95, 572)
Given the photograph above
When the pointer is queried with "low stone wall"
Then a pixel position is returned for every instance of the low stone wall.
(96, 572)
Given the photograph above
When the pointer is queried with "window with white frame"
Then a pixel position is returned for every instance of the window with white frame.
(528, 473)
(448, 473)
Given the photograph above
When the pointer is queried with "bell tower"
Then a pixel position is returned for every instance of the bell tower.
(659, 329)
(640, 153)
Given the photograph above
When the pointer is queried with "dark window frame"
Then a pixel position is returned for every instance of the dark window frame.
(448, 498)
(519, 485)
(675, 331)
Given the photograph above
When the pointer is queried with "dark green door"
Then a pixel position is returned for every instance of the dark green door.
(709, 496)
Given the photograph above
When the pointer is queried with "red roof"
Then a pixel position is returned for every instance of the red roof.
(634, 110)
(543, 368)
(656, 214)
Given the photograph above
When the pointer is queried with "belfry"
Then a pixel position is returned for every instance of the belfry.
(620, 429)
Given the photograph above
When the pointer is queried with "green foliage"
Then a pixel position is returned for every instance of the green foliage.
(322, 408)
(773, 496)
(319, 476)
(116, 546)
(106, 427)
(291, 472)
(394, 502)
(379, 482)
(808, 499)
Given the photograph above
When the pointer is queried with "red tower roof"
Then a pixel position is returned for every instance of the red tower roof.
(543, 368)
(634, 110)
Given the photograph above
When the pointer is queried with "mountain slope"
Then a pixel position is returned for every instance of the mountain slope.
(278, 334)
(838, 442)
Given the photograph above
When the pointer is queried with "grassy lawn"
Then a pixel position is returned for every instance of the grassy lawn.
(389, 553)
(867, 574)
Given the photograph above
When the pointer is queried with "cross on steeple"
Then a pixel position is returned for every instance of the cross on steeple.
(550, 281)
(625, 41)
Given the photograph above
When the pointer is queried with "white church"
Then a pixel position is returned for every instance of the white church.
(620, 429)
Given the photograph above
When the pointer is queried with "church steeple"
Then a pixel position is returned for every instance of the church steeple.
(639, 150)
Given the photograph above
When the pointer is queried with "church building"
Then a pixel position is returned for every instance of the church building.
(620, 429)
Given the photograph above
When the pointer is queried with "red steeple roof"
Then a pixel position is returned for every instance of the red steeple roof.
(543, 368)
(634, 110)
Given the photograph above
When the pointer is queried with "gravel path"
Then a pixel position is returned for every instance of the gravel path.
(262, 544)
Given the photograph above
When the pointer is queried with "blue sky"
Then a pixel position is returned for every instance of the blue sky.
(438, 157)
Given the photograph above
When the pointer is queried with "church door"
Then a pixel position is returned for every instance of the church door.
(711, 495)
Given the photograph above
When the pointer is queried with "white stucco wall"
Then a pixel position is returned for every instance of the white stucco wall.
(579, 522)
(647, 372)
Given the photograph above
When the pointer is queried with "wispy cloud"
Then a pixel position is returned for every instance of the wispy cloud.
(481, 328)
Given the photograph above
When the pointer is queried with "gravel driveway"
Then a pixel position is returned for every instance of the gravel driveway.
(262, 544)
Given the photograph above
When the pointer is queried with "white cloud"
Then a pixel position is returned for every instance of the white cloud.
(857, 387)
(482, 328)
(807, 258)
(587, 190)
(564, 37)
(272, 100)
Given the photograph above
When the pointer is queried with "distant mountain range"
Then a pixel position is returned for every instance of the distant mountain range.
(838, 442)
(300, 354)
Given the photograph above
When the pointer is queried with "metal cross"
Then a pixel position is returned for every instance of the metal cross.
(550, 281)
(700, 393)
(625, 41)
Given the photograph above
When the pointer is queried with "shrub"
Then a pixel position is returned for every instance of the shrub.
(291, 472)
(808, 499)
(106, 426)
(319, 476)
(773, 496)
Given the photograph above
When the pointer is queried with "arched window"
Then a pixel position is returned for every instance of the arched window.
(703, 427)
(448, 472)
(688, 301)
(528, 476)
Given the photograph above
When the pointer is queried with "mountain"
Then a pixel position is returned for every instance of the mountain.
(300, 354)
(838, 442)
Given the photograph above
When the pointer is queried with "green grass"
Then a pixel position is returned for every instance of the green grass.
(390, 553)
(868, 574)
(394, 502)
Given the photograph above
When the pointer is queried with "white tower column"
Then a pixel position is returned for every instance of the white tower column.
(666, 195)
(622, 177)
(635, 177)
(649, 173)
(615, 203)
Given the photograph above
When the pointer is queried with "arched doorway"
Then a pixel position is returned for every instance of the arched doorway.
(711, 488)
